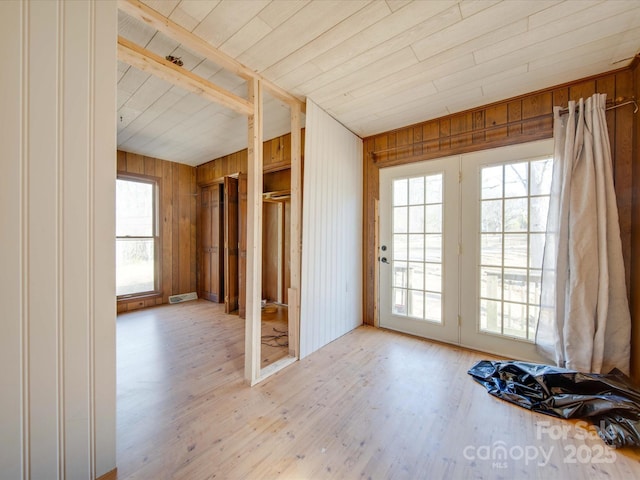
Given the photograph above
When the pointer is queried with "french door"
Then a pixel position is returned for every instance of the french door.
(419, 231)
(461, 243)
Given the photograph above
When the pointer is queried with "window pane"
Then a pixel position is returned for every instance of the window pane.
(515, 215)
(433, 248)
(433, 220)
(491, 182)
(416, 219)
(134, 209)
(515, 284)
(490, 316)
(433, 307)
(416, 191)
(491, 249)
(433, 277)
(400, 220)
(416, 304)
(416, 248)
(135, 262)
(516, 180)
(400, 191)
(541, 171)
(416, 275)
(536, 249)
(491, 283)
(434, 188)
(515, 319)
(515, 250)
(400, 274)
(539, 211)
(400, 247)
(399, 301)
(491, 220)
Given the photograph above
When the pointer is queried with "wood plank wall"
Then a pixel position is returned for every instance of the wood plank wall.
(277, 156)
(635, 237)
(517, 120)
(178, 195)
(277, 177)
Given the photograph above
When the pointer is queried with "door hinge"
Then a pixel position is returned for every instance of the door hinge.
(460, 176)
(459, 321)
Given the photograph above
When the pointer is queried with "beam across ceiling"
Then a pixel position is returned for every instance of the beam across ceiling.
(147, 61)
(149, 16)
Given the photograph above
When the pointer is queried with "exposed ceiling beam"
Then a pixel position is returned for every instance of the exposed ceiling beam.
(147, 61)
(159, 22)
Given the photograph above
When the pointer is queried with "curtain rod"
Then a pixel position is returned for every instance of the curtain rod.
(618, 102)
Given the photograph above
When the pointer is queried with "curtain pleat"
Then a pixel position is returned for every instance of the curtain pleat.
(584, 321)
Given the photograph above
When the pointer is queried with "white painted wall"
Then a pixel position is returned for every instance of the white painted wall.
(331, 290)
(57, 281)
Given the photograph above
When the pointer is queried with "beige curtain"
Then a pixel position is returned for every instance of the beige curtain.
(584, 322)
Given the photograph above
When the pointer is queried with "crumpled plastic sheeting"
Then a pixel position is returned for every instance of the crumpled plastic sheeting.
(609, 401)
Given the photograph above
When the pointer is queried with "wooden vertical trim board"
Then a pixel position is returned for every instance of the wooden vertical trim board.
(295, 231)
(254, 236)
(280, 261)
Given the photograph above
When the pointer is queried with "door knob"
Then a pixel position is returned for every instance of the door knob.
(384, 260)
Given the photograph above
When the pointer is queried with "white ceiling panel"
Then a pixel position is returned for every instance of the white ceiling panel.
(375, 65)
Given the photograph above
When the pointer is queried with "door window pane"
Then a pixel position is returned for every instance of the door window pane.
(417, 237)
(514, 199)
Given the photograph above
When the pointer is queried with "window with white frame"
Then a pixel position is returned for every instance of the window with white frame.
(137, 236)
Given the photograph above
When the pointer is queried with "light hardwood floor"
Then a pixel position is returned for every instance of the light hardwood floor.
(372, 404)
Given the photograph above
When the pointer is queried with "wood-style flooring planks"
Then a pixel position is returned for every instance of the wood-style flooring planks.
(372, 404)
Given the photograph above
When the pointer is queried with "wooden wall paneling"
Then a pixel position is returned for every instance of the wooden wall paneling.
(206, 242)
(149, 166)
(607, 85)
(431, 137)
(231, 230)
(270, 251)
(622, 152)
(185, 199)
(166, 213)
(417, 141)
(242, 242)
(135, 163)
(535, 106)
(175, 238)
(121, 162)
(582, 89)
(494, 116)
(478, 122)
(635, 237)
(514, 113)
(277, 181)
(287, 251)
(193, 231)
(444, 129)
(268, 157)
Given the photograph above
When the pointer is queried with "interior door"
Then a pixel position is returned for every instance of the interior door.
(418, 257)
(211, 217)
(242, 242)
(231, 234)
